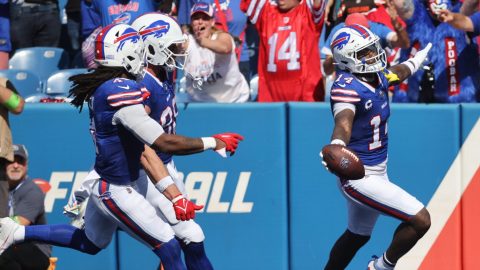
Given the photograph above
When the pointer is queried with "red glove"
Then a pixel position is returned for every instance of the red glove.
(184, 209)
(231, 141)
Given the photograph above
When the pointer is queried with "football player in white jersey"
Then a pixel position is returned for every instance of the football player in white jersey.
(360, 106)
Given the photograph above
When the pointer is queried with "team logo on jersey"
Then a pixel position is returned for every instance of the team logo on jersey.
(122, 18)
(157, 29)
(341, 40)
(368, 104)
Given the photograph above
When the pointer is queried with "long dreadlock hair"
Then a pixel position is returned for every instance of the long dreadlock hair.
(84, 85)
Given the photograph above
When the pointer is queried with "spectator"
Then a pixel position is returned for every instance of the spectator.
(74, 19)
(11, 102)
(388, 38)
(229, 18)
(348, 7)
(212, 68)
(453, 75)
(468, 24)
(289, 59)
(34, 23)
(26, 207)
(100, 13)
(469, 7)
(5, 45)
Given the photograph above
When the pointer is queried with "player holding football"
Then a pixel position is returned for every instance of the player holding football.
(289, 59)
(360, 106)
(120, 127)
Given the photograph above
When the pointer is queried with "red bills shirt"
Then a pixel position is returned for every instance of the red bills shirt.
(289, 60)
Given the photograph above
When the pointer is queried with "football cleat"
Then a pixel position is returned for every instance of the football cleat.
(7, 229)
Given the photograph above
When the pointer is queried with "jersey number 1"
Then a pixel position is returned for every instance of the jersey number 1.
(375, 123)
(288, 51)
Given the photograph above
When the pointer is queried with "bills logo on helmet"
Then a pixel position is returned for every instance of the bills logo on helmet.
(360, 29)
(123, 18)
(157, 29)
(129, 35)
(341, 40)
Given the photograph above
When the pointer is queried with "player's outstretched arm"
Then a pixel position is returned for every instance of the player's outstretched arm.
(136, 120)
(158, 174)
(407, 68)
(181, 145)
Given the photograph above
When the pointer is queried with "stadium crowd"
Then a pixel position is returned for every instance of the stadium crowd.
(285, 40)
(230, 51)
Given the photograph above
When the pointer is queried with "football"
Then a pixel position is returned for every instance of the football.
(343, 162)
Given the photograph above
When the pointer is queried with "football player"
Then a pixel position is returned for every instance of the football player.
(360, 106)
(120, 128)
(289, 59)
(164, 43)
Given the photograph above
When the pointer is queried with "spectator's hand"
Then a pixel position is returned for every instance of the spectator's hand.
(445, 15)
(184, 209)
(201, 37)
(227, 142)
(391, 10)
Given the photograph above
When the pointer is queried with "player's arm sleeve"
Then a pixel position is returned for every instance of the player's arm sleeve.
(136, 120)
(253, 9)
(343, 95)
(317, 8)
(340, 106)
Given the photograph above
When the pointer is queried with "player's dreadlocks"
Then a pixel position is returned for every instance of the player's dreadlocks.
(84, 85)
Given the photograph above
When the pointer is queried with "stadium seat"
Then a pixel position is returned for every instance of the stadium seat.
(254, 88)
(24, 81)
(58, 83)
(42, 61)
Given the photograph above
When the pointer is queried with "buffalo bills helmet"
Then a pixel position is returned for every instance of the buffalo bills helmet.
(163, 38)
(356, 49)
(119, 45)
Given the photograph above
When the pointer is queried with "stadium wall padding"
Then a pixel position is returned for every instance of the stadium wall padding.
(270, 206)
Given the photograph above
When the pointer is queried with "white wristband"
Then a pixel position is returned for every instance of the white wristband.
(176, 199)
(209, 143)
(411, 65)
(164, 183)
(338, 141)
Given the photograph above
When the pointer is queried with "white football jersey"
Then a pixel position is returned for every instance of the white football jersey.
(214, 77)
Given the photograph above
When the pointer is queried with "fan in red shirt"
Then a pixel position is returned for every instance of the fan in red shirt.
(289, 59)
